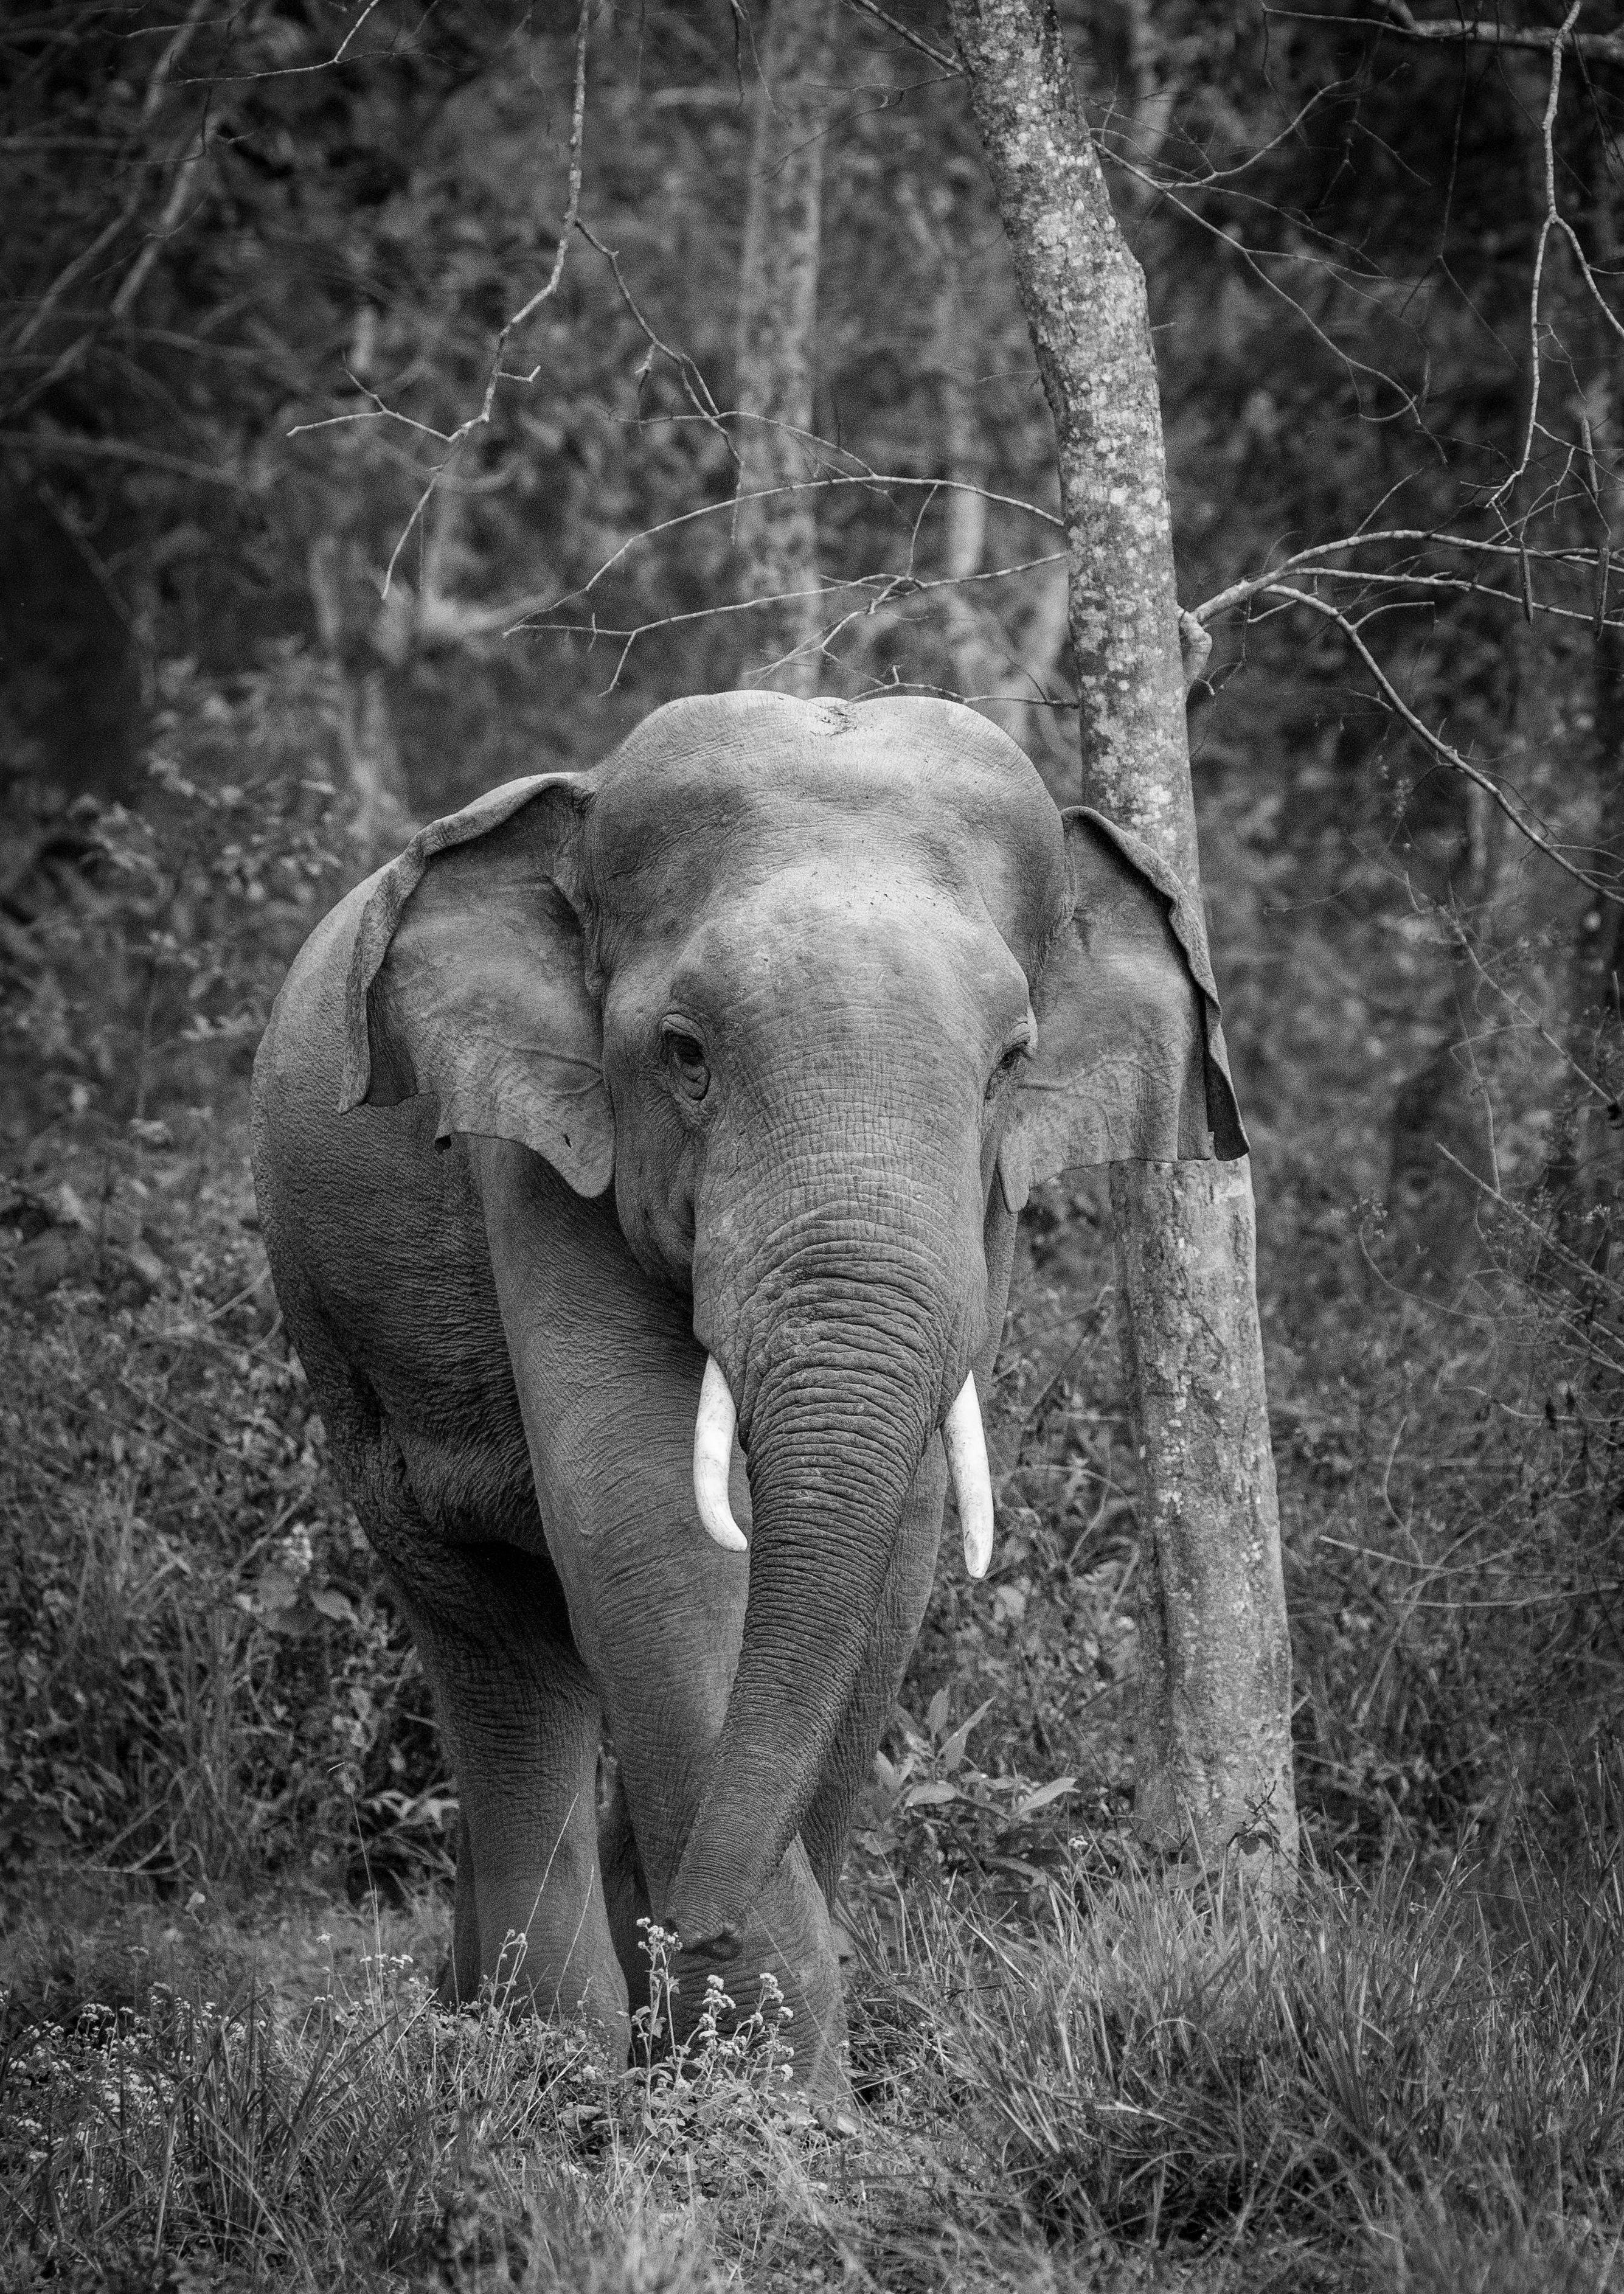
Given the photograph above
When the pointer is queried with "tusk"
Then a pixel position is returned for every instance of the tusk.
(713, 1457)
(972, 1484)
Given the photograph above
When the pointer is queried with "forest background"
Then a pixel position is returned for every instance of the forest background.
(304, 545)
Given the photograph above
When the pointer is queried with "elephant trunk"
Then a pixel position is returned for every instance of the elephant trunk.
(844, 1389)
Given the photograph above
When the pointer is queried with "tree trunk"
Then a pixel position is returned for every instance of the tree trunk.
(380, 814)
(1213, 1748)
(777, 535)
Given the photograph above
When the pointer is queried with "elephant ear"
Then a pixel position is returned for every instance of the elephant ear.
(1131, 1065)
(468, 980)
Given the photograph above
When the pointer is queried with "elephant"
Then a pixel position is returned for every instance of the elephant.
(638, 1156)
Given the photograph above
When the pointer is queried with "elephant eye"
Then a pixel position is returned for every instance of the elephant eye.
(685, 1057)
(1007, 1065)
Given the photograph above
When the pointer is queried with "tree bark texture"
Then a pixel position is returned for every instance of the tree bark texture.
(1213, 1747)
(777, 535)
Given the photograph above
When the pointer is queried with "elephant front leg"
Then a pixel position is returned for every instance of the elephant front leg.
(522, 1723)
(608, 1377)
(460, 1978)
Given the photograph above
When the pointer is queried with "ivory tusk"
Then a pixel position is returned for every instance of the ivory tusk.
(972, 1484)
(713, 1456)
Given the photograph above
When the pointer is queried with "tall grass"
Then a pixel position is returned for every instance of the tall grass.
(1397, 2083)
(359, 2139)
(1390, 2073)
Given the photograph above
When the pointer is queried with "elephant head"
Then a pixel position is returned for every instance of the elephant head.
(820, 992)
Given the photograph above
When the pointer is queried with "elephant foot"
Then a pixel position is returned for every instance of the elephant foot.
(805, 2032)
(610, 2025)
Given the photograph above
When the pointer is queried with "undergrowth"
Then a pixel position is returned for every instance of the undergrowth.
(1394, 2082)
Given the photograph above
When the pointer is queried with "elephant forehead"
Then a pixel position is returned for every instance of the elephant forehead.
(731, 790)
(841, 947)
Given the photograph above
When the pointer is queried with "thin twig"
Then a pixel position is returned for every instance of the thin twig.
(457, 439)
(1425, 537)
(938, 56)
(1454, 585)
(1547, 135)
(876, 480)
(888, 588)
(1466, 947)
(1435, 741)
(58, 445)
(300, 71)
(170, 221)
(1108, 137)
(1481, 31)
(1251, 259)
(578, 117)
(1576, 1265)
(695, 388)
(156, 85)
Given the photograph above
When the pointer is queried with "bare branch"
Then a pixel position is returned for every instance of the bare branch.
(1253, 263)
(457, 439)
(871, 480)
(74, 269)
(1547, 133)
(938, 56)
(578, 116)
(1238, 593)
(59, 446)
(1479, 32)
(170, 220)
(885, 589)
(1109, 137)
(323, 63)
(1458, 585)
(695, 388)
(1435, 741)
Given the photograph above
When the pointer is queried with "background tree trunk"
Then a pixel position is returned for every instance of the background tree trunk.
(1213, 1744)
(777, 537)
(380, 812)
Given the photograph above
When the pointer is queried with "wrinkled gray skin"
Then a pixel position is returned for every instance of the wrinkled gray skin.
(728, 1046)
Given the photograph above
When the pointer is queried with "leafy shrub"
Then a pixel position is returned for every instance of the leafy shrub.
(205, 1681)
(1451, 1478)
(156, 938)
